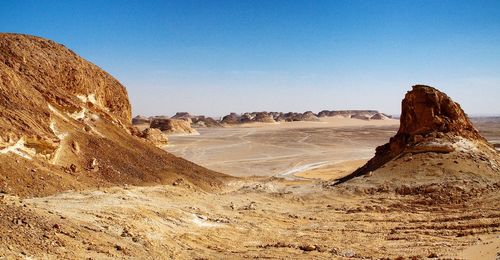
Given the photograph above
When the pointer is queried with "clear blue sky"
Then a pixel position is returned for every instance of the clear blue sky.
(214, 57)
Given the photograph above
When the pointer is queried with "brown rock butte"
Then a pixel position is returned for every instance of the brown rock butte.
(59, 112)
(430, 122)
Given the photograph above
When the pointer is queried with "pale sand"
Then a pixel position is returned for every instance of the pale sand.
(332, 171)
(283, 149)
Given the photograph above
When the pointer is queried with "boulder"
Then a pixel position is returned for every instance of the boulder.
(155, 136)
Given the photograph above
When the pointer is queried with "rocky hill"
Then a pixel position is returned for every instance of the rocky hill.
(436, 150)
(65, 124)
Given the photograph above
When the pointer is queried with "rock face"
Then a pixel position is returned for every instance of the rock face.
(426, 110)
(431, 123)
(58, 113)
(155, 136)
(173, 126)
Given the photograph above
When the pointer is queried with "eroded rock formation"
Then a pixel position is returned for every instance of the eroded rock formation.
(431, 123)
(173, 126)
(155, 136)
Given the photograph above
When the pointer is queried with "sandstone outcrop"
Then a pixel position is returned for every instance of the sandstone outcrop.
(155, 136)
(309, 116)
(173, 126)
(231, 119)
(263, 117)
(431, 126)
(59, 112)
(202, 121)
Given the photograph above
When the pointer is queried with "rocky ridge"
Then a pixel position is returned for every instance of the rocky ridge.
(66, 124)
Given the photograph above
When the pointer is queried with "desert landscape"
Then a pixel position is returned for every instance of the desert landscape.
(81, 179)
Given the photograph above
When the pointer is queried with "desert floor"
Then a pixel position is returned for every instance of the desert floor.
(262, 216)
(286, 149)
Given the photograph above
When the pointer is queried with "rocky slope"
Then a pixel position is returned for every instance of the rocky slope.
(65, 124)
(437, 150)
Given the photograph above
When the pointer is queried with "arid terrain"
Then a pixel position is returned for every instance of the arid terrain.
(78, 180)
(283, 149)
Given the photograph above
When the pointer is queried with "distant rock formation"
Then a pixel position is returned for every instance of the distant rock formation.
(309, 116)
(346, 113)
(380, 116)
(231, 119)
(141, 120)
(173, 126)
(155, 136)
(202, 121)
(432, 123)
(179, 115)
(263, 117)
(266, 117)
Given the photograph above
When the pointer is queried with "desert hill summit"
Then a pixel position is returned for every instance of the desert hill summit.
(436, 143)
(65, 124)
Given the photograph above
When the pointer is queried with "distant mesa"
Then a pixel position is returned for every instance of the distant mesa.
(436, 143)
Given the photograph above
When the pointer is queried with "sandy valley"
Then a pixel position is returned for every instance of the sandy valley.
(284, 149)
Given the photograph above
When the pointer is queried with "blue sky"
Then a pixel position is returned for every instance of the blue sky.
(214, 57)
